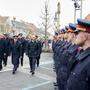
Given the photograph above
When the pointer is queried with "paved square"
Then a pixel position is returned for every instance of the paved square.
(22, 80)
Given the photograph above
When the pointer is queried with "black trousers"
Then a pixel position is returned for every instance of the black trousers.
(38, 60)
(0, 63)
(32, 63)
(15, 67)
(15, 64)
(21, 58)
(5, 60)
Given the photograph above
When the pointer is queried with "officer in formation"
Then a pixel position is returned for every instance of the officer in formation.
(71, 47)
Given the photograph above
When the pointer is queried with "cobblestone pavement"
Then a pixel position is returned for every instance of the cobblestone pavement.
(22, 80)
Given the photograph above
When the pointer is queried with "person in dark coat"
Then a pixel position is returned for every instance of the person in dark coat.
(7, 49)
(2, 48)
(32, 51)
(79, 78)
(61, 55)
(40, 45)
(22, 47)
(15, 53)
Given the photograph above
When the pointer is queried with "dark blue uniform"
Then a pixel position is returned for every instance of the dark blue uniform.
(2, 48)
(7, 50)
(22, 49)
(15, 55)
(32, 51)
(63, 66)
(40, 45)
(79, 78)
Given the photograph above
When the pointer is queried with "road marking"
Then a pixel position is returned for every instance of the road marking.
(44, 76)
(31, 87)
(47, 62)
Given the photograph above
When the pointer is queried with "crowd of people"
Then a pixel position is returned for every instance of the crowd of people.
(16, 46)
(71, 54)
(71, 48)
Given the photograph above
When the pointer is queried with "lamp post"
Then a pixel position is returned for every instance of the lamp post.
(77, 7)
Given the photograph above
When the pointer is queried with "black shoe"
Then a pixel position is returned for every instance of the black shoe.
(13, 72)
(0, 69)
(5, 65)
(22, 65)
(33, 73)
(37, 65)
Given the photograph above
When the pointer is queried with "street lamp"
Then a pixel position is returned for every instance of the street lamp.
(77, 6)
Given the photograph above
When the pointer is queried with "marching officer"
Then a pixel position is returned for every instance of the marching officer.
(40, 45)
(79, 78)
(15, 48)
(32, 52)
(7, 49)
(2, 48)
(22, 47)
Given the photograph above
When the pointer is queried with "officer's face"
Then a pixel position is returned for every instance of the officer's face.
(58, 37)
(19, 36)
(71, 36)
(65, 35)
(33, 37)
(15, 39)
(81, 38)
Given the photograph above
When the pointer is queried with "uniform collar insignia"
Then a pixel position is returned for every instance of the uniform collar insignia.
(84, 54)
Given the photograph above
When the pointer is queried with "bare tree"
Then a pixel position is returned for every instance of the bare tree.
(45, 20)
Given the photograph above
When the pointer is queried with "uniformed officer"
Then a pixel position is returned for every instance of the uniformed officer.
(40, 45)
(79, 79)
(32, 52)
(63, 69)
(61, 55)
(7, 49)
(15, 49)
(2, 46)
(22, 47)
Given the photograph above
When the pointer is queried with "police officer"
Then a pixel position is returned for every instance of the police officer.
(40, 45)
(79, 78)
(2, 46)
(63, 69)
(62, 56)
(57, 47)
(32, 51)
(7, 49)
(22, 47)
(15, 53)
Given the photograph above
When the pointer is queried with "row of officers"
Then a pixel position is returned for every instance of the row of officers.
(16, 47)
(71, 47)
